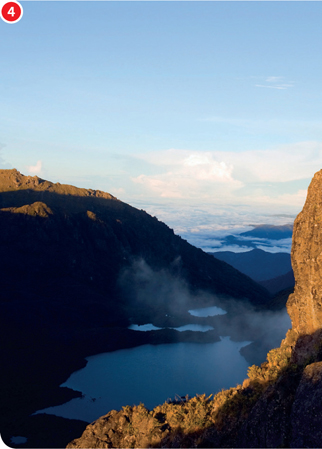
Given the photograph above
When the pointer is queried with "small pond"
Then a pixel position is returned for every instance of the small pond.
(207, 311)
(186, 327)
(202, 312)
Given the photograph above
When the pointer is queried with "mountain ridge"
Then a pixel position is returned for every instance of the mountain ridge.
(271, 232)
(258, 264)
(12, 180)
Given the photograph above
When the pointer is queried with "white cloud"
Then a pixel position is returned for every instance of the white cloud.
(289, 162)
(281, 86)
(190, 175)
(3, 163)
(282, 163)
(274, 79)
(294, 199)
(116, 191)
(35, 169)
(275, 177)
(275, 82)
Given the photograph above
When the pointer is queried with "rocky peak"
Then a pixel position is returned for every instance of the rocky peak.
(11, 180)
(305, 304)
(36, 209)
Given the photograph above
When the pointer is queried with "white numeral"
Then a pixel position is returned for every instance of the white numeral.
(11, 11)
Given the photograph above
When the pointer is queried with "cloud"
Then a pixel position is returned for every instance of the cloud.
(190, 175)
(277, 176)
(296, 199)
(281, 86)
(3, 163)
(275, 82)
(35, 169)
(116, 191)
(274, 79)
(277, 164)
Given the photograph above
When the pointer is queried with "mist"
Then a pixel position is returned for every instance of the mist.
(162, 297)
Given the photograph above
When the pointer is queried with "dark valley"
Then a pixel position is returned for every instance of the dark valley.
(77, 268)
(278, 405)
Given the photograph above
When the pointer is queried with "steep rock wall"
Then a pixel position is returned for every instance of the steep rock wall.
(305, 305)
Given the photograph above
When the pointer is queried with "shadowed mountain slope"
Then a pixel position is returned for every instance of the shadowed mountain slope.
(65, 253)
(279, 283)
(84, 238)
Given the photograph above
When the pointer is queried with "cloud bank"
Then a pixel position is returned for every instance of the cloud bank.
(278, 176)
(190, 176)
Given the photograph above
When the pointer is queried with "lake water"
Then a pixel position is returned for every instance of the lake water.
(151, 375)
(186, 327)
(203, 312)
(207, 311)
(18, 440)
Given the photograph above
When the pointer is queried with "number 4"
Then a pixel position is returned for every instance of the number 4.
(11, 11)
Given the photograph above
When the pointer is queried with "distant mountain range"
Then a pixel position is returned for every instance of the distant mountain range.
(261, 235)
(257, 264)
(271, 232)
(271, 270)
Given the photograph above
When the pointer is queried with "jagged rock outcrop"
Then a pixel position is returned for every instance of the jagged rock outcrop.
(37, 209)
(13, 180)
(116, 430)
(305, 305)
(279, 404)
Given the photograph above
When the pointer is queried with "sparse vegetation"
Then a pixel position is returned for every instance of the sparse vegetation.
(277, 360)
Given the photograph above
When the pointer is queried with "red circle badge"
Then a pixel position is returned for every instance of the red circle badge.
(11, 12)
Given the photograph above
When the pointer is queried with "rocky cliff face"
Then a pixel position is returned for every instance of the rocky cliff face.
(277, 406)
(305, 305)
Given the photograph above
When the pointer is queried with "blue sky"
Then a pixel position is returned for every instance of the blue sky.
(167, 103)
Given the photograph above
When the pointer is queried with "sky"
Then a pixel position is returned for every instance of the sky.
(205, 114)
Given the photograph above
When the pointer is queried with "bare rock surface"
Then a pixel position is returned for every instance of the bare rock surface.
(305, 305)
(116, 429)
(11, 180)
